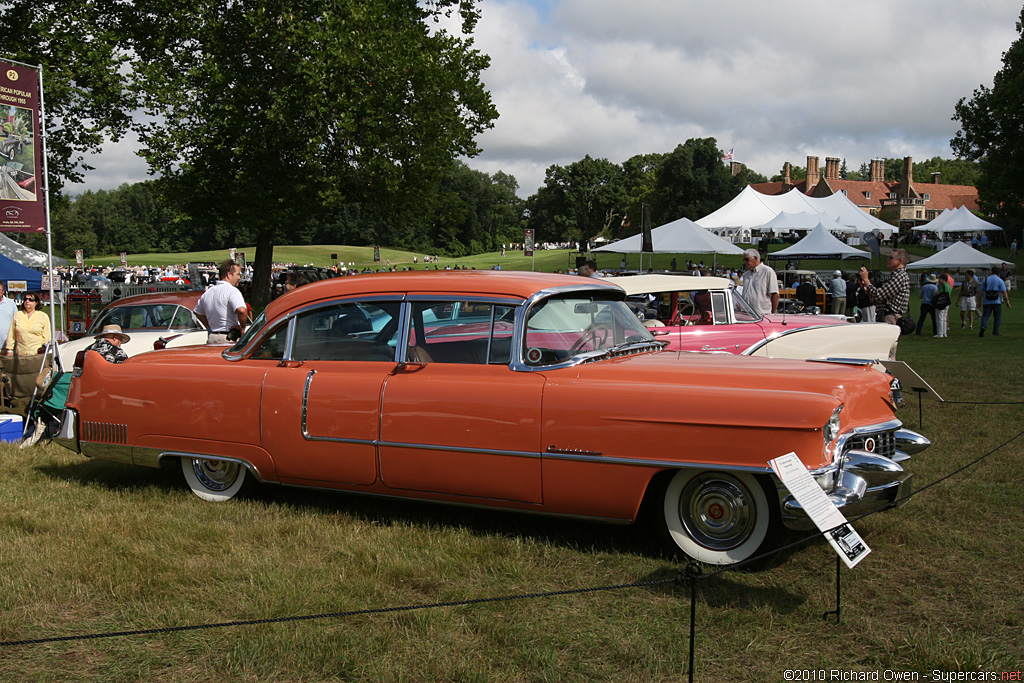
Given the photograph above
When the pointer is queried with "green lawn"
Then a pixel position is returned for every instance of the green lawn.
(91, 547)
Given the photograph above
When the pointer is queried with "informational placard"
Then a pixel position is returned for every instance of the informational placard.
(232, 253)
(124, 259)
(528, 242)
(45, 280)
(22, 205)
(17, 286)
(80, 258)
(822, 511)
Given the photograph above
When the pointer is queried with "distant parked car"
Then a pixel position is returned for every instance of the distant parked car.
(147, 318)
(707, 314)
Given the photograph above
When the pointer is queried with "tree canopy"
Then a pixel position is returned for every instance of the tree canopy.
(992, 133)
(269, 113)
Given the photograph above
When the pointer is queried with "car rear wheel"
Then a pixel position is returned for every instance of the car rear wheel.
(213, 480)
(717, 517)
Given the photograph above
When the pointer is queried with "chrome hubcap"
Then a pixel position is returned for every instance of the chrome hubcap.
(717, 512)
(216, 475)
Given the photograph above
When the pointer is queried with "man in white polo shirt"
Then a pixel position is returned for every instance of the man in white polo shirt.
(221, 308)
(760, 284)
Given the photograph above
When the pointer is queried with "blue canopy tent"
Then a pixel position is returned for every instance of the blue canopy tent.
(12, 270)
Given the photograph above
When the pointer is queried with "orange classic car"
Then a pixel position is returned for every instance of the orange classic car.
(525, 391)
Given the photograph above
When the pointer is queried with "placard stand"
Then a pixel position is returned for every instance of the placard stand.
(910, 380)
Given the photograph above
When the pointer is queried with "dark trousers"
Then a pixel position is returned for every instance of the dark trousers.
(927, 309)
(996, 311)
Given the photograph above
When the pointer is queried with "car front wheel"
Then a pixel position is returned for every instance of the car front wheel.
(213, 480)
(717, 517)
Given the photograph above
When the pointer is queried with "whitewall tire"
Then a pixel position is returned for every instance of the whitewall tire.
(717, 517)
(213, 480)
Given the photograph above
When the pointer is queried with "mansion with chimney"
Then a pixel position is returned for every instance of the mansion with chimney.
(914, 203)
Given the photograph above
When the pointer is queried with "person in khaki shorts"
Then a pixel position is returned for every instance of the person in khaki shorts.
(967, 301)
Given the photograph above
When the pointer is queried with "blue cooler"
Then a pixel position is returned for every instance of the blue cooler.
(12, 428)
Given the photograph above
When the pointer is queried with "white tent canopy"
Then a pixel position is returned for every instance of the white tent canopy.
(27, 256)
(819, 244)
(750, 209)
(681, 236)
(958, 255)
(960, 220)
(805, 220)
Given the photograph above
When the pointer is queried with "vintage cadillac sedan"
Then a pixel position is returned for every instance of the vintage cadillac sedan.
(706, 314)
(524, 391)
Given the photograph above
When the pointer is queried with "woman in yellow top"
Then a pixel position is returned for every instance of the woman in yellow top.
(30, 329)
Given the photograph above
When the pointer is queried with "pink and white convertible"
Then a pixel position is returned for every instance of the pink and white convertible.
(707, 314)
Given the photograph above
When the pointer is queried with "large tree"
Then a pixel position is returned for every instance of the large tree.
(992, 133)
(264, 114)
(85, 82)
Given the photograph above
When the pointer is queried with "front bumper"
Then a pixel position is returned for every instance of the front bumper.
(864, 480)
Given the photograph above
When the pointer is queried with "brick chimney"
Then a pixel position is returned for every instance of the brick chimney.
(813, 175)
(831, 168)
(787, 180)
(936, 177)
(908, 178)
(877, 170)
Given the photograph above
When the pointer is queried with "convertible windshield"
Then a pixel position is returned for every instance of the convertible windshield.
(560, 329)
(159, 317)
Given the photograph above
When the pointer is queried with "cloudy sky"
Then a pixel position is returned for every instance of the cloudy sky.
(774, 81)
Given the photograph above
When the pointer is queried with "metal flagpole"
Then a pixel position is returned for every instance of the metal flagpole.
(46, 209)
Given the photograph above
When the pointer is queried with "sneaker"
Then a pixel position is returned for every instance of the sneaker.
(962, 326)
(34, 437)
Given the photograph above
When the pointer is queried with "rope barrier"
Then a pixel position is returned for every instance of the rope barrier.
(692, 576)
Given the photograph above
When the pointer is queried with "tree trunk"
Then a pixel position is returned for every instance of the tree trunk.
(259, 294)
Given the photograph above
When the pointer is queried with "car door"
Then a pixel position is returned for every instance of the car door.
(320, 410)
(457, 420)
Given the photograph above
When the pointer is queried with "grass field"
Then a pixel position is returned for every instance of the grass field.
(92, 547)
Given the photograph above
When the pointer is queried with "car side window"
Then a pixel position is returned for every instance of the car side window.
(475, 333)
(349, 331)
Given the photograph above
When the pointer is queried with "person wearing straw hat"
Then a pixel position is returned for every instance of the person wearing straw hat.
(108, 344)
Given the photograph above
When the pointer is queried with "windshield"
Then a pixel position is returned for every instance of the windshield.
(559, 329)
(157, 317)
(254, 329)
(742, 312)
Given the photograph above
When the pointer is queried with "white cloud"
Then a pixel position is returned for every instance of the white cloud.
(776, 81)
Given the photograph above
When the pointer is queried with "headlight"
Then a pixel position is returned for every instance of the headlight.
(831, 428)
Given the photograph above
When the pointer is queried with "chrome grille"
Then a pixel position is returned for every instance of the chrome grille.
(882, 443)
(105, 432)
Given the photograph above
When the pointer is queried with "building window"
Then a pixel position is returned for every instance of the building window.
(892, 195)
(844, 192)
(927, 196)
(867, 195)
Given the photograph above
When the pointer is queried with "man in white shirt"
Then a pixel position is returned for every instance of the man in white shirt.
(222, 308)
(760, 284)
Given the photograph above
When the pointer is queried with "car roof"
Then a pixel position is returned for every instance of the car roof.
(650, 284)
(188, 299)
(506, 283)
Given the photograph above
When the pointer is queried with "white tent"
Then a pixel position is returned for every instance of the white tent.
(960, 220)
(958, 255)
(681, 236)
(819, 244)
(27, 256)
(750, 209)
(839, 208)
(805, 220)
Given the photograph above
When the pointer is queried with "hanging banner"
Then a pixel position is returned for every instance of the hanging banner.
(528, 242)
(22, 208)
(80, 258)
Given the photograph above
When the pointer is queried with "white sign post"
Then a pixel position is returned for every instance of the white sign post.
(822, 511)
